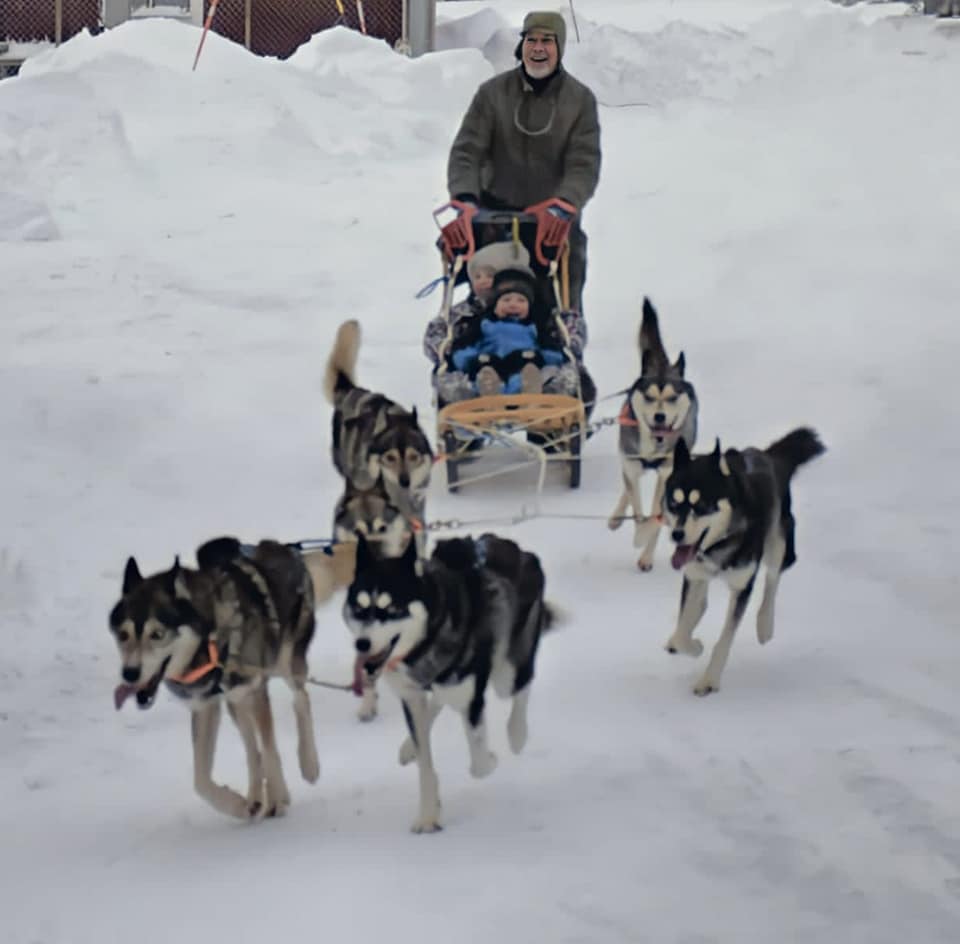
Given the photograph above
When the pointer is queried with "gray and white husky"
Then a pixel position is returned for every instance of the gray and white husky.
(376, 442)
(470, 615)
(728, 513)
(217, 633)
(660, 409)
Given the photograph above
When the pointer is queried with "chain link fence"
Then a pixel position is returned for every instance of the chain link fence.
(26, 21)
(268, 27)
(278, 27)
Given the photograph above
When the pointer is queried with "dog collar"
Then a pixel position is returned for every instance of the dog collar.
(202, 670)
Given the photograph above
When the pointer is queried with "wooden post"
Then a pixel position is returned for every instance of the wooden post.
(58, 21)
(247, 23)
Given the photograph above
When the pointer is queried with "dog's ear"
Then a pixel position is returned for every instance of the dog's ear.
(680, 365)
(173, 578)
(131, 576)
(718, 459)
(413, 415)
(364, 557)
(681, 454)
(181, 590)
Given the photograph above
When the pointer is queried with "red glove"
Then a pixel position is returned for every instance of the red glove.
(554, 219)
(456, 238)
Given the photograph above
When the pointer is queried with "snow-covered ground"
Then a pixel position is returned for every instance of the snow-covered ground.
(176, 251)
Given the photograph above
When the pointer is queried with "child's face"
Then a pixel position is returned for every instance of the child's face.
(482, 282)
(512, 305)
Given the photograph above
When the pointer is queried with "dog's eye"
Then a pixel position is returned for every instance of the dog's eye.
(672, 399)
(159, 633)
(414, 458)
(649, 398)
(123, 635)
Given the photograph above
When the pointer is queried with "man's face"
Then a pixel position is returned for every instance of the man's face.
(540, 53)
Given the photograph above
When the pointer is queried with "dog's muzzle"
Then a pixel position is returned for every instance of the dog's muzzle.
(146, 693)
(369, 665)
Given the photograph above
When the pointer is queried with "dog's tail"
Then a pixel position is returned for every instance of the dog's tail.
(342, 362)
(796, 448)
(653, 355)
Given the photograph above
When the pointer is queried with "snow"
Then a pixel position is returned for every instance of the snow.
(177, 250)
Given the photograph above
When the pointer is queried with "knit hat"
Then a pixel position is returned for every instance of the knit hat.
(549, 22)
(498, 256)
(518, 278)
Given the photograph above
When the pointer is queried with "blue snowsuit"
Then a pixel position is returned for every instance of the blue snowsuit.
(499, 339)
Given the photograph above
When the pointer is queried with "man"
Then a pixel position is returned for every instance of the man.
(529, 135)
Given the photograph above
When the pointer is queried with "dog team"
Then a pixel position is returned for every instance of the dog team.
(445, 628)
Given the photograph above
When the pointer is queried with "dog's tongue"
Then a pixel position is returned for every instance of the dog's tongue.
(358, 664)
(682, 556)
(121, 693)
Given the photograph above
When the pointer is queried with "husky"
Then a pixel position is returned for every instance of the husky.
(728, 513)
(660, 410)
(376, 442)
(471, 614)
(372, 514)
(219, 633)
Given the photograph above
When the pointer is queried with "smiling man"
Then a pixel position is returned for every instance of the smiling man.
(531, 134)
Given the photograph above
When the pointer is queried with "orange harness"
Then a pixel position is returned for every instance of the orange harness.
(625, 418)
(194, 675)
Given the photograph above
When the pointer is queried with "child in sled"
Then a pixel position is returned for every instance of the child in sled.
(482, 266)
(511, 348)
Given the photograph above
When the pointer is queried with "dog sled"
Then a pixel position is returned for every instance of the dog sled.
(548, 426)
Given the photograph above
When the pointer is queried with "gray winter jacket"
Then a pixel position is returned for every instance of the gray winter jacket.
(520, 148)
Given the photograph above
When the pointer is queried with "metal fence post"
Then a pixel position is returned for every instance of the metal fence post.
(57, 21)
(115, 12)
(247, 23)
(421, 21)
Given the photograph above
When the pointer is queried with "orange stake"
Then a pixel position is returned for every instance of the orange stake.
(206, 29)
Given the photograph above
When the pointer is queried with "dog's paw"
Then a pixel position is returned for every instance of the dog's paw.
(426, 824)
(368, 704)
(706, 686)
(517, 734)
(407, 753)
(614, 522)
(764, 626)
(692, 647)
(367, 712)
(309, 765)
(484, 765)
(645, 564)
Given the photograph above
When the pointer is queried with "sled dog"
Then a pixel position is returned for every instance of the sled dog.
(660, 410)
(472, 615)
(728, 513)
(376, 442)
(218, 633)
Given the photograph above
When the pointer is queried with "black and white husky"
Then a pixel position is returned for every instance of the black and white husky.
(219, 633)
(660, 410)
(728, 513)
(472, 615)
